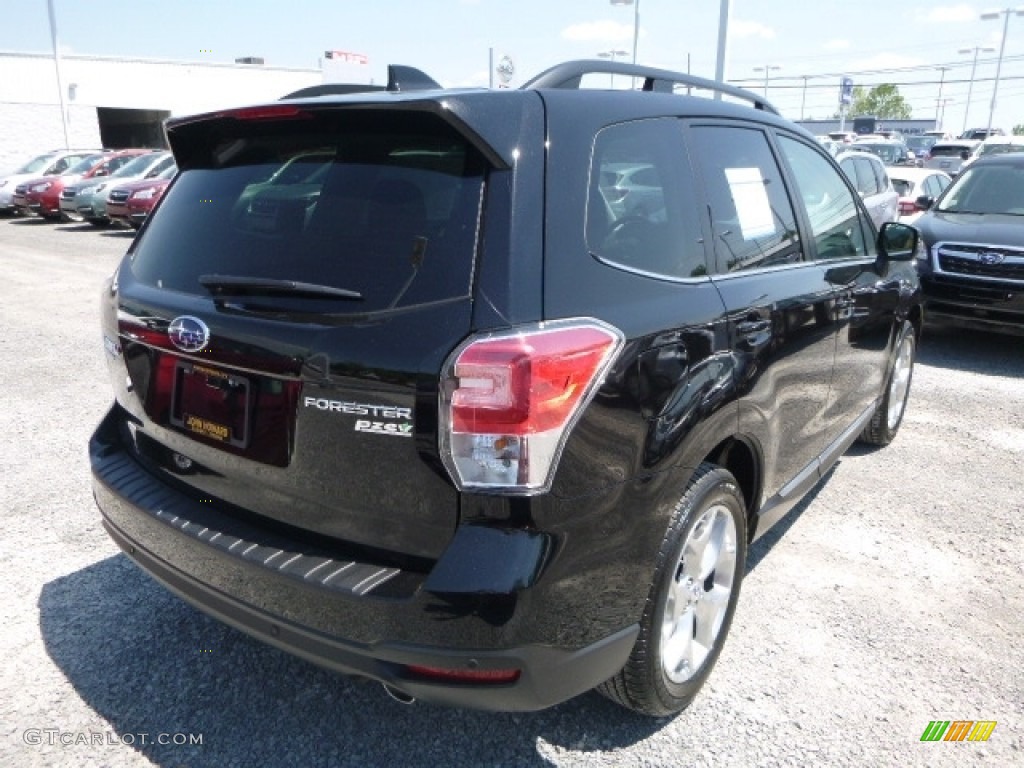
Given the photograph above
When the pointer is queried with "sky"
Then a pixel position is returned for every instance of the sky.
(914, 45)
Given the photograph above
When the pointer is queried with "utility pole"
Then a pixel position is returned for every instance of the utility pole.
(942, 79)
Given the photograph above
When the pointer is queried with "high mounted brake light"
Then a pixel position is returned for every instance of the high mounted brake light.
(272, 112)
(509, 400)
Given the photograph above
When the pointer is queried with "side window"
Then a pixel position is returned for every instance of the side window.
(752, 219)
(641, 206)
(867, 183)
(837, 224)
(881, 177)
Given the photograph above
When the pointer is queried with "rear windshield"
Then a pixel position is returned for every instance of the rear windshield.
(381, 205)
(949, 150)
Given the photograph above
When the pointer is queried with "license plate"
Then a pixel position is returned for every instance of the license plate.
(944, 164)
(211, 403)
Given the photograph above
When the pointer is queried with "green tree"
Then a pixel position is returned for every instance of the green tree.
(1018, 130)
(882, 101)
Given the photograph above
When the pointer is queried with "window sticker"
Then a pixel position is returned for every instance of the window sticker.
(751, 199)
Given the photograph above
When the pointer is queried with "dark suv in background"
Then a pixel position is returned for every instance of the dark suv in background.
(450, 412)
(972, 265)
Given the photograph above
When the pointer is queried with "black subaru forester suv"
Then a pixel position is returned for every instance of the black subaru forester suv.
(484, 394)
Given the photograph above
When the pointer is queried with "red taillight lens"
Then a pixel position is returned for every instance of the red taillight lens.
(491, 676)
(509, 399)
(907, 206)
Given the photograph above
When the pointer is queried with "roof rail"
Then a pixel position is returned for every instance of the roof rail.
(570, 73)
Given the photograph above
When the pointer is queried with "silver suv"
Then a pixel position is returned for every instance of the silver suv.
(868, 174)
(949, 156)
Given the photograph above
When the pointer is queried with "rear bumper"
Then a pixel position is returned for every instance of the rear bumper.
(361, 618)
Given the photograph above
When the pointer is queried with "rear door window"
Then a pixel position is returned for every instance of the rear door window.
(381, 207)
(752, 219)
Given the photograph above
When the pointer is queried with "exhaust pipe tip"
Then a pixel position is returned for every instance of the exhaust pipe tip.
(400, 696)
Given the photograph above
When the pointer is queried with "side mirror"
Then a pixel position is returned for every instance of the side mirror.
(924, 202)
(964, 154)
(897, 242)
(101, 173)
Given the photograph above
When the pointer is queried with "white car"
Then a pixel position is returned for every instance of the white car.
(47, 164)
(995, 145)
(871, 178)
(912, 183)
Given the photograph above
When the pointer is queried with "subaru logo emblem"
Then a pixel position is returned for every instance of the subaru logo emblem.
(188, 333)
(991, 258)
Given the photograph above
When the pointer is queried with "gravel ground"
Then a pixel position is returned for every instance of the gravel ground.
(891, 597)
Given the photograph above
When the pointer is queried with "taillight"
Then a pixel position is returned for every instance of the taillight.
(907, 206)
(509, 400)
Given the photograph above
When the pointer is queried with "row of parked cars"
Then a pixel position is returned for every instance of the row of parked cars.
(99, 186)
(972, 266)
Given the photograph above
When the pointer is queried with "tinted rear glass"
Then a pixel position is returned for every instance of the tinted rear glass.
(949, 150)
(384, 204)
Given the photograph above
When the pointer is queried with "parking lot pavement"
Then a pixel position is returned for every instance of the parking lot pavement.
(892, 597)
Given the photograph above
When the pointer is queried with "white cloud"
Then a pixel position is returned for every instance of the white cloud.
(888, 61)
(960, 13)
(599, 31)
(836, 45)
(739, 30)
(477, 79)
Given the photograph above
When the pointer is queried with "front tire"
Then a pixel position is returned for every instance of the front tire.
(886, 421)
(691, 601)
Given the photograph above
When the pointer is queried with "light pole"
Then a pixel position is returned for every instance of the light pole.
(942, 79)
(940, 111)
(724, 11)
(767, 69)
(970, 86)
(611, 55)
(60, 79)
(803, 98)
(988, 16)
(636, 20)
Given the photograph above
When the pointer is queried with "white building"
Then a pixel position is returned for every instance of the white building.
(119, 102)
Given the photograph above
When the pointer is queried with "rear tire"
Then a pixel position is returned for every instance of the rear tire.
(691, 601)
(886, 421)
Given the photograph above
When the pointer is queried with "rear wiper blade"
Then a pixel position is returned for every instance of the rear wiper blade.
(236, 285)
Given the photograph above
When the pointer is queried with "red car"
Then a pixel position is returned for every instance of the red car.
(42, 196)
(27, 195)
(114, 161)
(131, 203)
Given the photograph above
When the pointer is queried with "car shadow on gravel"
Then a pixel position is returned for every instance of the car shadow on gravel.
(761, 548)
(990, 354)
(78, 226)
(148, 663)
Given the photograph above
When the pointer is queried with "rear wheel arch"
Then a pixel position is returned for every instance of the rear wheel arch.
(743, 462)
